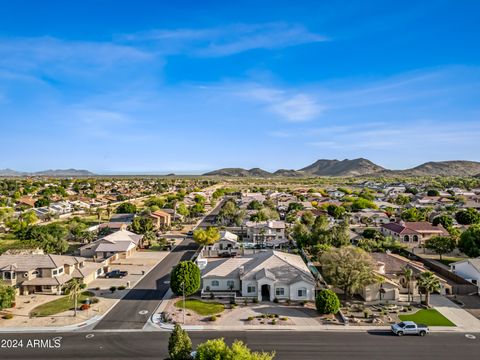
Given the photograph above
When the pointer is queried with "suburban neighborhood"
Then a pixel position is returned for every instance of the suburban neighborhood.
(254, 180)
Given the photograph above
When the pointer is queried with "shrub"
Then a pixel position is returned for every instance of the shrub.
(7, 316)
(327, 302)
(275, 300)
(187, 273)
(179, 344)
(366, 313)
(97, 288)
(94, 300)
(284, 318)
(245, 302)
(122, 287)
(213, 318)
(113, 289)
(274, 322)
(84, 307)
(250, 318)
(255, 300)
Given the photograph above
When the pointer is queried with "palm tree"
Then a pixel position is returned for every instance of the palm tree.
(99, 214)
(74, 289)
(408, 276)
(429, 283)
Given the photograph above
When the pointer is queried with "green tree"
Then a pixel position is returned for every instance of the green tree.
(179, 344)
(361, 203)
(327, 302)
(255, 205)
(182, 209)
(141, 225)
(185, 276)
(441, 244)
(469, 242)
(444, 220)
(29, 217)
(468, 216)
(348, 268)
(433, 192)
(208, 236)
(126, 208)
(429, 283)
(307, 218)
(42, 202)
(413, 214)
(336, 211)
(301, 234)
(217, 349)
(7, 296)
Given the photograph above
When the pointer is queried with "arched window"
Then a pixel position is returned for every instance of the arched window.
(415, 238)
(406, 238)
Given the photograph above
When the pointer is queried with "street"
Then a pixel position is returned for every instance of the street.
(133, 311)
(288, 345)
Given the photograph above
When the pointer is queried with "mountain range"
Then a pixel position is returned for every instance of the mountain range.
(358, 167)
(48, 173)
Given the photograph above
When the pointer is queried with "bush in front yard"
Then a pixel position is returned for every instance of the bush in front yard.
(186, 273)
(84, 307)
(122, 287)
(7, 316)
(113, 289)
(327, 302)
(213, 318)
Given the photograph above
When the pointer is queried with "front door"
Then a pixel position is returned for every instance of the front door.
(265, 292)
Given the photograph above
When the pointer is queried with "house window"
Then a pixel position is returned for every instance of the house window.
(406, 238)
(302, 292)
(215, 283)
(415, 238)
(250, 289)
(474, 281)
(230, 284)
(36, 272)
(55, 272)
(60, 271)
(279, 291)
(7, 275)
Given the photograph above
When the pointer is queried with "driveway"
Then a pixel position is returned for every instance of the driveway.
(471, 304)
(455, 313)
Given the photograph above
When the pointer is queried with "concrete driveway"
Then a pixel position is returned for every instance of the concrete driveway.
(455, 313)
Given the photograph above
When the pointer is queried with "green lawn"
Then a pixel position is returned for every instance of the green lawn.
(430, 317)
(201, 307)
(59, 305)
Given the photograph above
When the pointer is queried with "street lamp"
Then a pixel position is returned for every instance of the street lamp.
(183, 296)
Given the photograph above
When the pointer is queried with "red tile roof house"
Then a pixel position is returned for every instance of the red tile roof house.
(413, 234)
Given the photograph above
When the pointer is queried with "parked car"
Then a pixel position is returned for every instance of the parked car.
(190, 233)
(227, 254)
(116, 274)
(410, 328)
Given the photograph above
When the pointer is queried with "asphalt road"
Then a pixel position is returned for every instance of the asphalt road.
(133, 311)
(288, 345)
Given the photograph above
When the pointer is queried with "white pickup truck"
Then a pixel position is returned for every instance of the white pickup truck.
(410, 328)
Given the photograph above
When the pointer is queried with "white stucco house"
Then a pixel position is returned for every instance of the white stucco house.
(469, 269)
(228, 242)
(265, 276)
(271, 232)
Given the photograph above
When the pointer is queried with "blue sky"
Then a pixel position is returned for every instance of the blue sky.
(144, 86)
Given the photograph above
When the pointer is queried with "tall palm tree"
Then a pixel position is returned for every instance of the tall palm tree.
(74, 288)
(408, 276)
(429, 283)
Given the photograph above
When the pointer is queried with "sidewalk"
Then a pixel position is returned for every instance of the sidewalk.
(462, 318)
(155, 323)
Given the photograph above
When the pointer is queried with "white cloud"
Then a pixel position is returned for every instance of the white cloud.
(226, 40)
(291, 105)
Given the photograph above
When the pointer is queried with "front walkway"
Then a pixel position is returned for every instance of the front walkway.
(463, 319)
